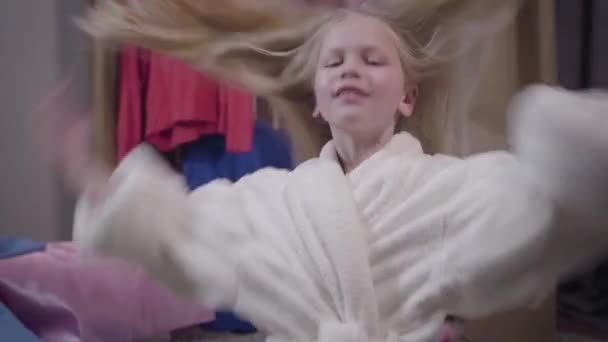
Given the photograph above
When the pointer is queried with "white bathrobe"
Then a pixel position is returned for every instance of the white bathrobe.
(384, 252)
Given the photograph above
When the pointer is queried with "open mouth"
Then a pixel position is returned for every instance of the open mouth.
(350, 91)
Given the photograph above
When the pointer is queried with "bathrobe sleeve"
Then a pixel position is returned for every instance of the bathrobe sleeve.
(520, 222)
(148, 217)
(225, 245)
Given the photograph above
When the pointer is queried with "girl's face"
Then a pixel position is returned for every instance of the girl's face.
(359, 82)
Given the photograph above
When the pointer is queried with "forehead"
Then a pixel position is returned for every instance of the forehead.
(356, 30)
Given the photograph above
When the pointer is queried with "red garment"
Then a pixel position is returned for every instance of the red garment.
(167, 103)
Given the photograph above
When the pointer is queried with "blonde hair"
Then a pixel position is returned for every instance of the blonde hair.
(271, 47)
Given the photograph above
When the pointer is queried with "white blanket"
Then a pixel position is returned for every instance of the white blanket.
(382, 253)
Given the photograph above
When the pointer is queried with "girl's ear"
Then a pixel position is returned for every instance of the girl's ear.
(406, 106)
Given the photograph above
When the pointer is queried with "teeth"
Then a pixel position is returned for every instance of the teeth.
(348, 91)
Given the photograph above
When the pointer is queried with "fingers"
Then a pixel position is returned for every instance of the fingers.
(75, 158)
(62, 133)
(51, 118)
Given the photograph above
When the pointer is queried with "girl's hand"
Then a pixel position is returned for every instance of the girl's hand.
(64, 136)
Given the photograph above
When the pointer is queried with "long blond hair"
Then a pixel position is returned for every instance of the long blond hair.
(271, 48)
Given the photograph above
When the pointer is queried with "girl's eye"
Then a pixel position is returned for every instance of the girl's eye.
(334, 62)
(374, 60)
(373, 56)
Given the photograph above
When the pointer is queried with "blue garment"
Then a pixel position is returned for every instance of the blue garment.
(14, 246)
(11, 329)
(206, 160)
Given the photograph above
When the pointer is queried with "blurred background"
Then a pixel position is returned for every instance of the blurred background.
(553, 41)
(39, 43)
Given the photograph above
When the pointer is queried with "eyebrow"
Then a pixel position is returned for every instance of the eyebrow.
(365, 47)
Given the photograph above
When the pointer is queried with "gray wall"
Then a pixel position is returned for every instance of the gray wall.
(38, 42)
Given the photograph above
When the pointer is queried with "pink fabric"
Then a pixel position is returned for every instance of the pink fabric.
(447, 334)
(451, 331)
(108, 300)
(51, 319)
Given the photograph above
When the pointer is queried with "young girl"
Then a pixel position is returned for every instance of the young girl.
(374, 240)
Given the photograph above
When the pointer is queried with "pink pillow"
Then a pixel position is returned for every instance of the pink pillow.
(99, 299)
